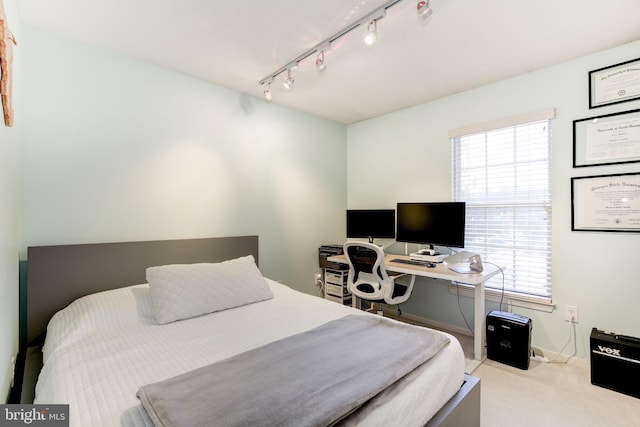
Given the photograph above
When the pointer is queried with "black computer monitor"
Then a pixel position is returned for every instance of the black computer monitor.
(436, 223)
(371, 223)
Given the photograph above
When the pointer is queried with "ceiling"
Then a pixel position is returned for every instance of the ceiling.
(464, 44)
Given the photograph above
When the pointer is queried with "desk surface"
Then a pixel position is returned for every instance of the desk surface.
(440, 271)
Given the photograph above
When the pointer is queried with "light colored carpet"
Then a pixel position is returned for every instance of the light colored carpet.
(550, 394)
(547, 395)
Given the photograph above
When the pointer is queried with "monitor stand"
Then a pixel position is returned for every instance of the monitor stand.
(429, 254)
(431, 258)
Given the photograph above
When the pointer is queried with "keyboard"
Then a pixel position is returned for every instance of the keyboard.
(414, 262)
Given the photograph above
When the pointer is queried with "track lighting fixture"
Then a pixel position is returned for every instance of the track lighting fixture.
(424, 9)
(372, 29)
(320, 65)
(371, 20)
(289, 81)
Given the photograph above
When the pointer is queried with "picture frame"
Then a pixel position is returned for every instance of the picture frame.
(606, 203)
(607, 139)
(614, 84)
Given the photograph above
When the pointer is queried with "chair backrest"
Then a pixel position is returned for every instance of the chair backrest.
(367, 278)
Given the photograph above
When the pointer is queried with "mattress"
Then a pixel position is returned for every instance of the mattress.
(103, 347)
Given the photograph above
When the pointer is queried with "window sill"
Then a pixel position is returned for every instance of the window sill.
(510, 298)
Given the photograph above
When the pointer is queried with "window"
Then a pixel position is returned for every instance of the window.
(502, 170)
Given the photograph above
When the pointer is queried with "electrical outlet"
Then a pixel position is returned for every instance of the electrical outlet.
(571, 313)
(318, 279)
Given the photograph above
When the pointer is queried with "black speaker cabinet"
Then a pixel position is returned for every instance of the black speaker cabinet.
(615, 362)
(509, 338)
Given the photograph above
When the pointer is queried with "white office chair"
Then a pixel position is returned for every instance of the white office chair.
(368, 278)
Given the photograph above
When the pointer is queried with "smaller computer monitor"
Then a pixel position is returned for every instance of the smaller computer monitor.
(371, 223)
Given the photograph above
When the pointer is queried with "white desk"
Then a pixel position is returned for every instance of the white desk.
(441, 271)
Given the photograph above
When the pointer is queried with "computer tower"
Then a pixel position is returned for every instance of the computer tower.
(326, 251)
(509, 338)
(615, 362)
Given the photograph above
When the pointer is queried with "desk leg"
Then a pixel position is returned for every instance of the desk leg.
(478, 330)
(479, 325)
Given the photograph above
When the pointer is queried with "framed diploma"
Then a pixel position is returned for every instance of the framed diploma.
(606, 140)
(614, 84)
(606, 203)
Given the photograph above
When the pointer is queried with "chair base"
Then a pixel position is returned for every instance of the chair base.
(372, 309)
(379, 311)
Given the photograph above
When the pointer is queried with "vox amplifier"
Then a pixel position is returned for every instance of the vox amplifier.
(509, 338)
(615, 362)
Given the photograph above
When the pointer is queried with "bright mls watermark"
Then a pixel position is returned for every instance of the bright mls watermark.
(34, 415)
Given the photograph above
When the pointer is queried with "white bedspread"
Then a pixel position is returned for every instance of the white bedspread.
(103, 347)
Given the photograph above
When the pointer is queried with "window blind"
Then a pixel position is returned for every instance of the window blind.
(504, 176)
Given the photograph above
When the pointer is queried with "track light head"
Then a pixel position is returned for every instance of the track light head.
(320, 65)
(372, 29)
(267, 92)
(288, 83)
(424, 9)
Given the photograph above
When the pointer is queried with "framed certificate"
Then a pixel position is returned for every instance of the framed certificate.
(606, 203)
(614, 84)
(608, 139)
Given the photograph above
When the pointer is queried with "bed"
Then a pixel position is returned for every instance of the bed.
(106, 347)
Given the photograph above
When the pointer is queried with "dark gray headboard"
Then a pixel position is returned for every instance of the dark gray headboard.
(57, 275)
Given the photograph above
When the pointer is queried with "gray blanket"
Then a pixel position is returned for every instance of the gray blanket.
(315, 378)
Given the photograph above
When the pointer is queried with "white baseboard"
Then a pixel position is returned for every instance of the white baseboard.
(555, 357)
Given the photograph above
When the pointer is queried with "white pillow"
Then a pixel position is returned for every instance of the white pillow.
(181, 291)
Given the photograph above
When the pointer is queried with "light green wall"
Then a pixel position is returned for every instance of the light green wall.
(10, 139)
(122, 150)
(406, 156)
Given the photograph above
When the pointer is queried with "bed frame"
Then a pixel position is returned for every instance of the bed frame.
(57, 275)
